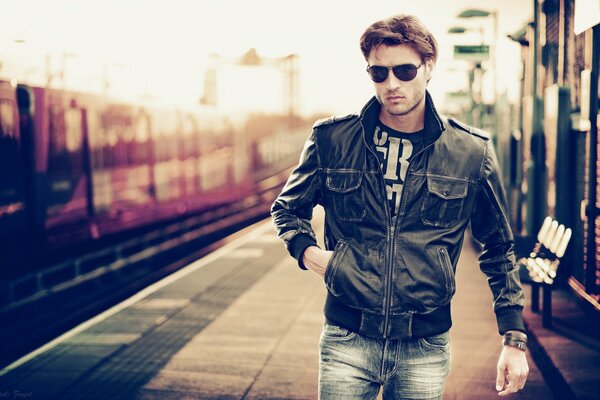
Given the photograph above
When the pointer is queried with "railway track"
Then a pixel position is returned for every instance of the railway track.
(72, 291)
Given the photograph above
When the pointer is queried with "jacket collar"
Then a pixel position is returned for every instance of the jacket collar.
(434, 124)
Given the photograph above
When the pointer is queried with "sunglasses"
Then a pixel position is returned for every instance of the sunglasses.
(404, 72)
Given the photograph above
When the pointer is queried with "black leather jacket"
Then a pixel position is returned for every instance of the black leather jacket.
(394, 278)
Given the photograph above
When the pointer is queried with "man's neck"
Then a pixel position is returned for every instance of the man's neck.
(414, 121)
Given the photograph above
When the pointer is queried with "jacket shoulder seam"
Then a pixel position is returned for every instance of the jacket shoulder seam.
(469, 129)
(332, 120)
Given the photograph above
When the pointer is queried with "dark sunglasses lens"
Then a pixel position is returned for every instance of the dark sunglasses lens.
(377, 73)
(405, 72)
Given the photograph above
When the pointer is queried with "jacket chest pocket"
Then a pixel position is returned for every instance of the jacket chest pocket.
(347, 194)
(443, 203)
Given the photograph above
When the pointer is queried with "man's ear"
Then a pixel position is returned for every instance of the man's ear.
(429, 69)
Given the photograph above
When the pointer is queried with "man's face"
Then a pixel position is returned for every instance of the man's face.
(398, 97)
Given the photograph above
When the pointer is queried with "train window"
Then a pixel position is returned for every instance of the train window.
(9, 155)
(165, 141)
(189, 146)
(65, 160)
(56, 127)
(139, 149)
(8, 128)
(116, 126)
(142, 129)
(96, 135)
(65, 138)
(73, 131)
(112, 135)
(99, 142)
(127, 130)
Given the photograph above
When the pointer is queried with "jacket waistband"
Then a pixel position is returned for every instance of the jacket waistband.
(400, 326)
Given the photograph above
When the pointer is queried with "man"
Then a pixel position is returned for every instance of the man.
(399, 184)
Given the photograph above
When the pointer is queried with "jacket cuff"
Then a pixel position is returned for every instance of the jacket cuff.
(510, 318)
(298, 244)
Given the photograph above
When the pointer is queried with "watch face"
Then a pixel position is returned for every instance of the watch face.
(518, 344)
(522, 346)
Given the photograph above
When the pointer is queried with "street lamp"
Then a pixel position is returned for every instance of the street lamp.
(462, 29)
(457, 29)
(473, 13)
(476, 13)
(474, 54)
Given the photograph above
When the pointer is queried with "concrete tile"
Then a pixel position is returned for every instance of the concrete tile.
(218, 366)
(478, 389)
(266, 238)
(107, 338)
(162, 303)
(45, 384)
(247, 355)
(206, 383)
(246, 253)
(229, 344)
(147, 394)
(285, 383)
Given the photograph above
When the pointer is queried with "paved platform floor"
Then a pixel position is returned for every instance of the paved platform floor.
(243, 324)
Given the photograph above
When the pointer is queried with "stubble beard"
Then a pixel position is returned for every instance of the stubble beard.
(416, 99)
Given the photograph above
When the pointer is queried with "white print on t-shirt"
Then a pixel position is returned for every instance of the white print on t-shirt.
(396, 154)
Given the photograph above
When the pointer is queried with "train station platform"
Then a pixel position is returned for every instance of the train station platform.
(241, 323)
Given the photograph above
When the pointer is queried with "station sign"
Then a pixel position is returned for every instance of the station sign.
(476, 53)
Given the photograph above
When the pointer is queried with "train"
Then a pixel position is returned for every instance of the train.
(76, 168)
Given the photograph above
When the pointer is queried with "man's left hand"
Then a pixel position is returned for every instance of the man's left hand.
(512, 371)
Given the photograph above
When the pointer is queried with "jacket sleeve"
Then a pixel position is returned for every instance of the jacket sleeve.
(293, 208)
(490, 226)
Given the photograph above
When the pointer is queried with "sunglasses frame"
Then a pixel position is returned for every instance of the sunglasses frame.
(394, 72)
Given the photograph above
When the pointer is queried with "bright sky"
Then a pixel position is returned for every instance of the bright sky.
(159, 48)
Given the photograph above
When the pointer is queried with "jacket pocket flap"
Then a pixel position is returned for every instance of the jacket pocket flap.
(344, 181)
(447, 188)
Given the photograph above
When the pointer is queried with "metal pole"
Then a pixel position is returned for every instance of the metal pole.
(536, 171)
(591, 262)
(495, 54)
(495, 81)
(547, 306)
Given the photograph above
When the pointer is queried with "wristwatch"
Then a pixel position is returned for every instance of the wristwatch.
(515, 343)
(515, 339)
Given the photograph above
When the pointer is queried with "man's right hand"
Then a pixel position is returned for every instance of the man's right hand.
(316, 259)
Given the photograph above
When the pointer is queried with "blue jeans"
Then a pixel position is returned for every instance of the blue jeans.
(353, 366)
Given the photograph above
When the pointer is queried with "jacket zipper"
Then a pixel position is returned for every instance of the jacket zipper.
(387, 305)
(391, 230)
(389, 242)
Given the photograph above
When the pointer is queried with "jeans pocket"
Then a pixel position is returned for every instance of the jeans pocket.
(438, 342)
(336, 332)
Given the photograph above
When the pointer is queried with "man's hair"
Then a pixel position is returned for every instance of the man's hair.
(400, 30)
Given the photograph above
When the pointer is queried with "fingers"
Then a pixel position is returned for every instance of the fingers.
(316, 259)
(511, 387)
(516, 382)
(500, 379)
(523, 378)
(324, 261)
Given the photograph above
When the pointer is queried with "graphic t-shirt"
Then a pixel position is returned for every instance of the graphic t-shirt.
(395, 150)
